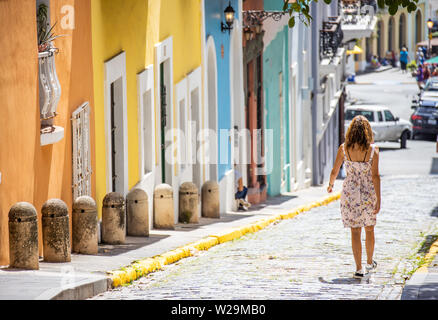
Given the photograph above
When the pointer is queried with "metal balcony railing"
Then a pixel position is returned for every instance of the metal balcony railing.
(50, 89)
(331, 37)
(357, 11)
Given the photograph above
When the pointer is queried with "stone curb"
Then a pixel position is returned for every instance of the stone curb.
(140, 268)
(433, 250)
(412, 287)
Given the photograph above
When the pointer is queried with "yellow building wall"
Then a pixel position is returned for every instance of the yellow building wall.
(136, 26)
(396, 31)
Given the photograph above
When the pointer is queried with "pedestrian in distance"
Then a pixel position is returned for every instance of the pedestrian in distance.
(360, 196)
(426, 72)
(404, 56)
(241, 191)
(420, 76)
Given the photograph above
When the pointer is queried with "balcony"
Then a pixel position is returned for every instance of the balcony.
(331, 37)
(332, 52)
(358, 18)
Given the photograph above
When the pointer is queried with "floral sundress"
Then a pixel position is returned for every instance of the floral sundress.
(358, 197)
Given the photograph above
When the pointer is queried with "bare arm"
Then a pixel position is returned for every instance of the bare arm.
(336, 167)
(376, 178)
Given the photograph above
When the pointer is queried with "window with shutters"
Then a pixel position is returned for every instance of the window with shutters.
(81, 151)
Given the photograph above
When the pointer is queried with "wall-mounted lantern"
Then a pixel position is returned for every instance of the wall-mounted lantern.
(248, 34)
(229, 19)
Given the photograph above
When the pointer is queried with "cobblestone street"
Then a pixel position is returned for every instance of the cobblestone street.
(308, 257)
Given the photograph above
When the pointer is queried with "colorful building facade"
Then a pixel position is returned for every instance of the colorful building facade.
(40, 158)
(224, 100)
(148, 80)
(393, 32)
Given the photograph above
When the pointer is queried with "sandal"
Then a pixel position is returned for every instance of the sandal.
(359, 274)
(371, 266)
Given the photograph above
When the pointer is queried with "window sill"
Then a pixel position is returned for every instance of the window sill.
(52, 137)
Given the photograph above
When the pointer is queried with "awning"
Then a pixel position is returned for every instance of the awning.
(433, 60)
(425, 43)
(356, 50)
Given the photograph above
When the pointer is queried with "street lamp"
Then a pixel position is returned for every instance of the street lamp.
(430, 26)
(229, 19)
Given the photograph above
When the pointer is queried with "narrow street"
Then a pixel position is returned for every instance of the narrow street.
(309, 257)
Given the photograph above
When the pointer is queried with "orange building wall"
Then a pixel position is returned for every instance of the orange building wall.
(30, 172)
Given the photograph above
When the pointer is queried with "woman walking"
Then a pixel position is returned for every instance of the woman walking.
(360, 197)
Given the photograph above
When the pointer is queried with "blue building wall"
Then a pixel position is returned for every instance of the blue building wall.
(275, 62)
(214, 15)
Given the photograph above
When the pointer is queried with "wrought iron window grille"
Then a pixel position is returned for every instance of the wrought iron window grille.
(254, 18)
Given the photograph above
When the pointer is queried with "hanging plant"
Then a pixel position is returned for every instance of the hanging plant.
(45, 31)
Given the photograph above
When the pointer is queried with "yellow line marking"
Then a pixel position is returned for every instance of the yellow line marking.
(433, 250)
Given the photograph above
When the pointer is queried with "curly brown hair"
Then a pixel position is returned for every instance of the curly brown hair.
(359, 133)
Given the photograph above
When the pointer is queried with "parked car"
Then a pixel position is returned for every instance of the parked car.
(431, 84)
(385, 126)
(425, 117)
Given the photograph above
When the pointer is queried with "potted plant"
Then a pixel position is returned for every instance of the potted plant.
(45, 32)
(412, 67)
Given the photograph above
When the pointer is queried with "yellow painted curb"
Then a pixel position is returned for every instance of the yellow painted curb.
(143, 267)
(433, 250)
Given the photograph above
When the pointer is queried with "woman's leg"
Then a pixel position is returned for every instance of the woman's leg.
(369, 243)
(357, 247)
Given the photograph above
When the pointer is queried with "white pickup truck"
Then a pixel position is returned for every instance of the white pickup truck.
(385, 126)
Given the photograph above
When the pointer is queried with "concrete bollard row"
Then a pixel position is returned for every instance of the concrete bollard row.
(119, 217)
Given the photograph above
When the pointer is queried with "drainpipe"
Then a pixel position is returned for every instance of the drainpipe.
(316, 89)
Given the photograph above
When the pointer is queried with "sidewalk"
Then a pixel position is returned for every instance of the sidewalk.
(423, 285)
(86, 275)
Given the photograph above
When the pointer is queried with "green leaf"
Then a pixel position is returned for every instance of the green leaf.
(381, 3)
(328, 1)
(392, 10)
(292, 22)
(285, 5)
(411, 7)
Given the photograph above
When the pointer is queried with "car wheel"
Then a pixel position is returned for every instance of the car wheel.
(403, 139)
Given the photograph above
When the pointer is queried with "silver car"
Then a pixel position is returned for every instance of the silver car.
(385, 126)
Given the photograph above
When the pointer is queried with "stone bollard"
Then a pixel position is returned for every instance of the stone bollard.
(210, 200)
(137, 213)
(163, 207)
(56, 231)
(188, 203)
(113, 219)
(23, 237)
(84, 226)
